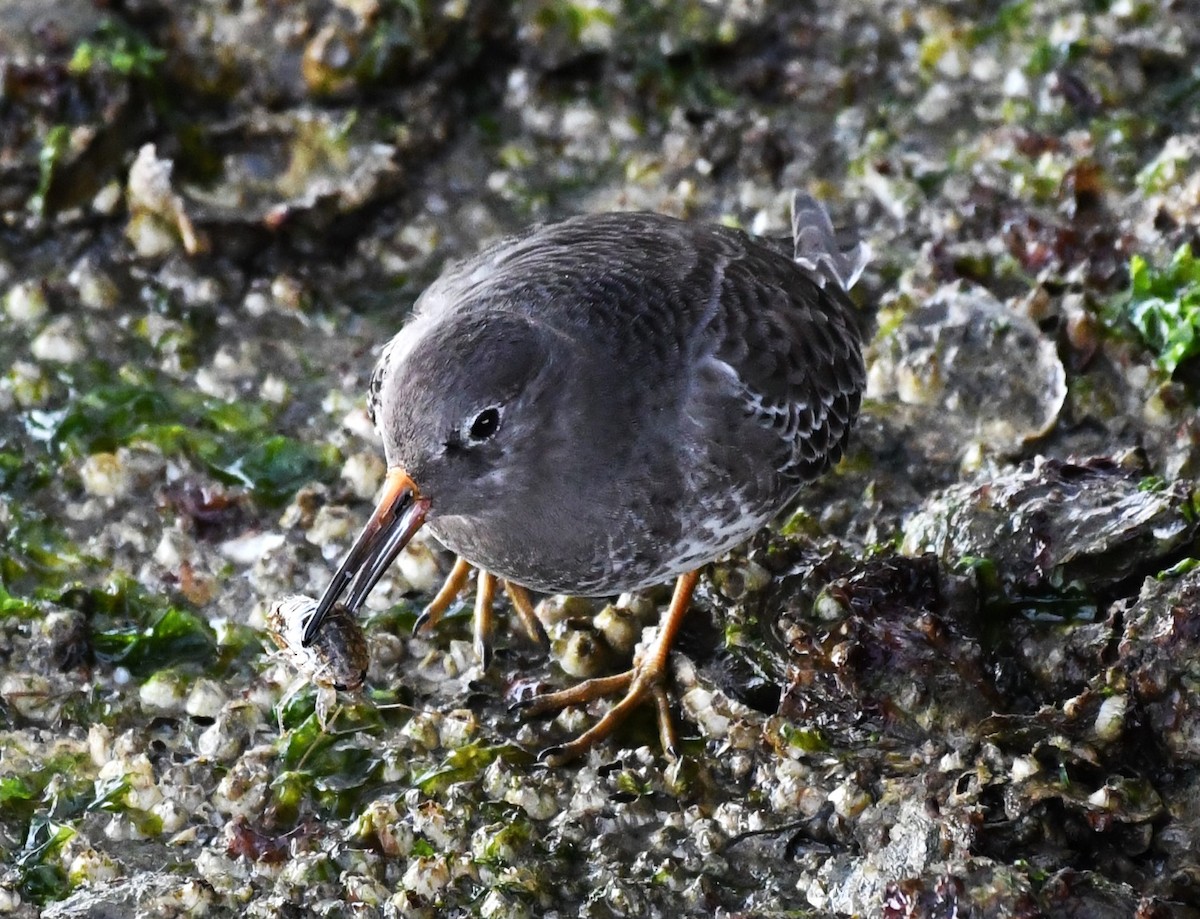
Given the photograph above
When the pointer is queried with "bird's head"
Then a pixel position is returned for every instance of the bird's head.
(457, 407)
(455, 400)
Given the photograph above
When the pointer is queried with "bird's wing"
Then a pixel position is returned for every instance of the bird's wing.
(780, 332)
(828, 255)
(791, 351)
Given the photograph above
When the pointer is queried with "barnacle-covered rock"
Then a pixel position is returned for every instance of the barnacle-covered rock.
(164, 893)
(1053, 524)
(1157, 659)
(956, 728)
(904, 654)
(966, 372)
(159, 219)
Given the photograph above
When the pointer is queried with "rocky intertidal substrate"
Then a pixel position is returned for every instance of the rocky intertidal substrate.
(958, 679)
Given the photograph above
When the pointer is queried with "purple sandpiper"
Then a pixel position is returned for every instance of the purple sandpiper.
(604, 404)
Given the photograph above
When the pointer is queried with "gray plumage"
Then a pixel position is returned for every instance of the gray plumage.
(662, 390)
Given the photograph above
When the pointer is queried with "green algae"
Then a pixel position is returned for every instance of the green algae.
(1163, 305)
(39, 805)
(330, 770)
(38, 560)
(173, 636)
(131, 627)
(55, 146)
(463, 764)
(276, 468)
(117, 47)
(18, 607)
(41, 880)
(807, 739)
(232, 440)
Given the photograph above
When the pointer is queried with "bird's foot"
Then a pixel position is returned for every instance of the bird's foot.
(484, 618)
(646, 680)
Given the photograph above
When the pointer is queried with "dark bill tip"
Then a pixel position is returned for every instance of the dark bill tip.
(397, 517)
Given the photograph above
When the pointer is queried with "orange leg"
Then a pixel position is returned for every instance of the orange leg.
(485, 599)
(485, 617)
(523, 606)
(453, 586)
(644, 680)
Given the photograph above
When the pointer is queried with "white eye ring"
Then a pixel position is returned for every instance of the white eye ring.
(484, 425)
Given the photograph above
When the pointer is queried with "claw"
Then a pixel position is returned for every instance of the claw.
(552, 756)
(422, 622)
(525, 703)
(451, 588)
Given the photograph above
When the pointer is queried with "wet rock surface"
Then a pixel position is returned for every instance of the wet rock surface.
(1056, 525)
(936, 369)
(959, 678)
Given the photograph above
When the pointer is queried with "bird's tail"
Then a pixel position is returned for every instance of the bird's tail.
(818, 247)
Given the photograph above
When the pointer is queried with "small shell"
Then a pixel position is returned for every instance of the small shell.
(620, 627)
(337, 658)
(581, 652)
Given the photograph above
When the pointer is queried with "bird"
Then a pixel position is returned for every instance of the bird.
(605, 404)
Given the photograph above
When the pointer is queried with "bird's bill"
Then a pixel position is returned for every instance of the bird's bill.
(397, 517)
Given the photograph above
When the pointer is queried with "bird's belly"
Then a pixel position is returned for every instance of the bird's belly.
(567, 564)
(598, 564)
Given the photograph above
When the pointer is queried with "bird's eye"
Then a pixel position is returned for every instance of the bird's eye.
(486, 424)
